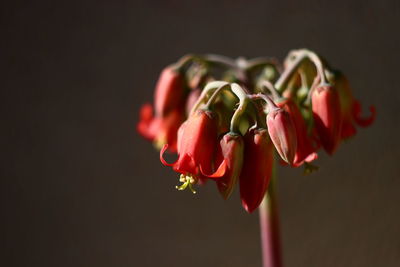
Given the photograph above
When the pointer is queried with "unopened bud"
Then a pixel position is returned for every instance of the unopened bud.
(283, 133)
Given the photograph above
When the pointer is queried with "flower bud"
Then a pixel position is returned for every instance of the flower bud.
(327, 116)
(230, 150)
(305, 151)
(283, 133)
(169, 91)
(257, 168)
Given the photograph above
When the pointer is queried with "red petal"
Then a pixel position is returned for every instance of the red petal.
(146, 119)
(313, 156)
(348, 129)
(363, 122)
(218, 173)
(257, 168)
(327, 117)
(169, 91)
(185, 164)
(146, 112)
(162, 151)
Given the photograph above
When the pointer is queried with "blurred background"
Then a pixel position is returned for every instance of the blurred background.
(79, 186)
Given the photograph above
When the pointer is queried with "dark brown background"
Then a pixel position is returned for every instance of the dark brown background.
(79, 187)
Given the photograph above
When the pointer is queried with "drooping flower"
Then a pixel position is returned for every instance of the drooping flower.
(230, 150)
(197, 139)
(160, 130)
(305, 151)
(283, 133)
(257, 168)
(169, 103)
(169, 92)
(327, 116)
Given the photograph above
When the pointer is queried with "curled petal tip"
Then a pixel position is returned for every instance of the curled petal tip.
(162, 151)
(313, 156)
(218, 173)
(363, 122)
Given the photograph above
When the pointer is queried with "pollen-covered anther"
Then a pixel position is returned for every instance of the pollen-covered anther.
(187, 180)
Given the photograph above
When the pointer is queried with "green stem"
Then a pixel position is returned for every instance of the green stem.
(207, 93)
(222, 60)
(243, 101)
(262, 62)
(214, 96)
(270, 103)
(208, 58)
(300, 56)
(271, 88)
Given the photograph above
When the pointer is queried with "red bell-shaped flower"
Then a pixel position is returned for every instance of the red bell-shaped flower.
(327, 116)
(257, 168)
(197, 139)
(160, 130)
(169, 92)
(230, 150)
(282, 131)
(305, 151)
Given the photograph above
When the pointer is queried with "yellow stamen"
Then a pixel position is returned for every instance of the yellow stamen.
(187, 180)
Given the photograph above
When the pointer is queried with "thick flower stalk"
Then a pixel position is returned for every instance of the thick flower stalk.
(228, 119)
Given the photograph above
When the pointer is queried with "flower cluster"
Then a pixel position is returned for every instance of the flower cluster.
(225, 118)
